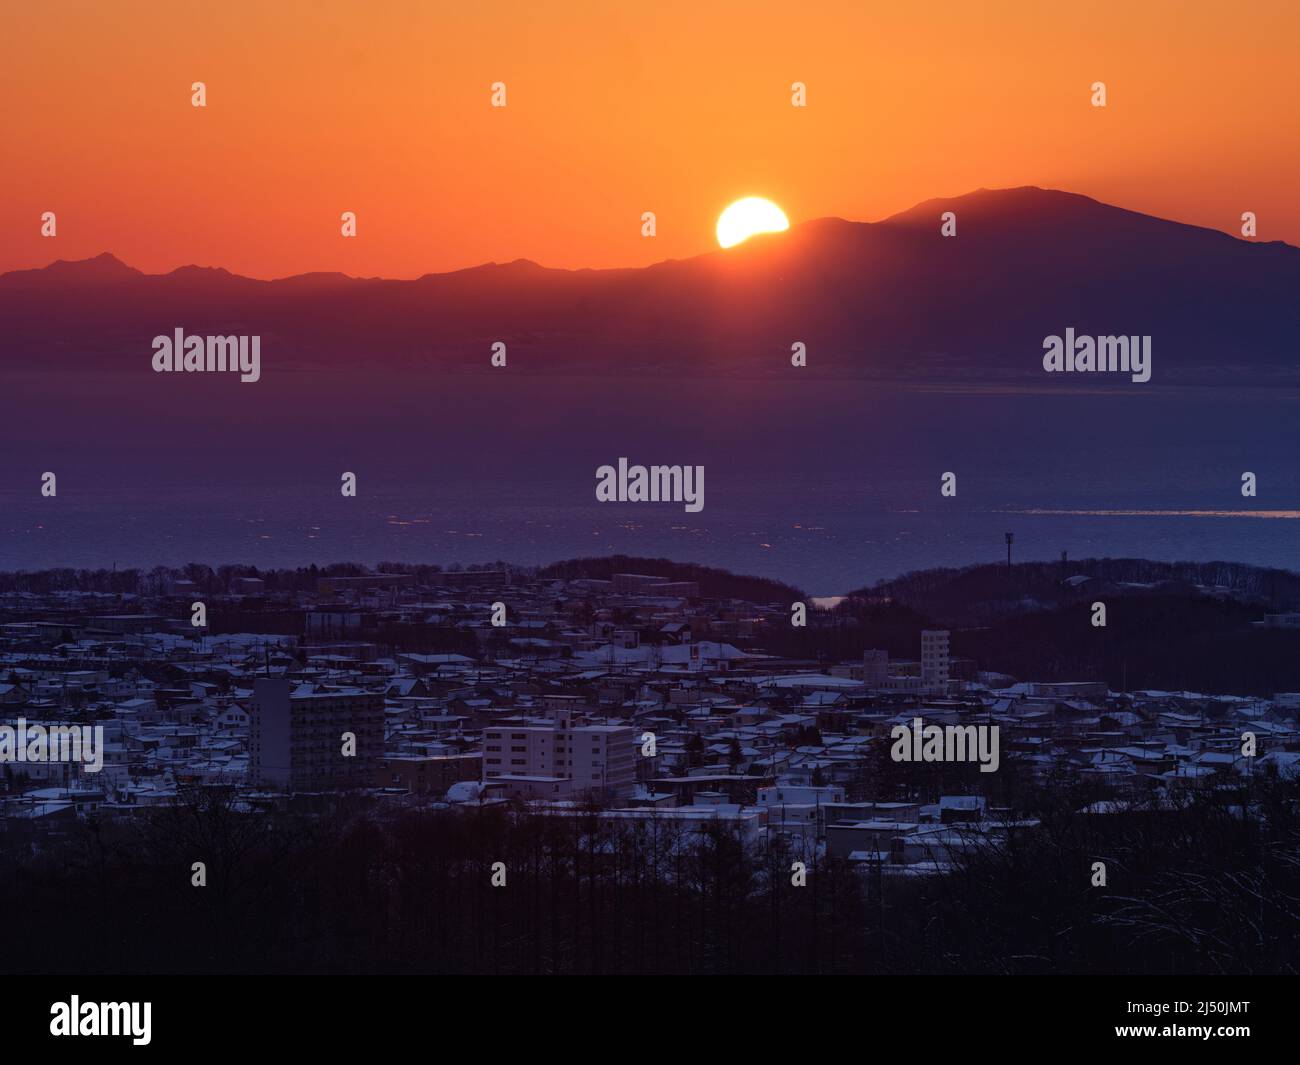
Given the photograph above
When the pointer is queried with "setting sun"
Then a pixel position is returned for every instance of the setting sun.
(746, 217)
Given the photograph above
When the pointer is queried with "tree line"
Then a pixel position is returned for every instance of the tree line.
(1207, 882)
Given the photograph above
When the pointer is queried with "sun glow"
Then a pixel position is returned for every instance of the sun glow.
(746, 217)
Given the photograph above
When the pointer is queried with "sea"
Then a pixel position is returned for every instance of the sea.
(830, 485)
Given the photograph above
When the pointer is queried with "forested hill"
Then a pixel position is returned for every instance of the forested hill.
(714, 583)
(978, 594)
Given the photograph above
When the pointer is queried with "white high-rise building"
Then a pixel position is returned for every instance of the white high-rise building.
(599, 758)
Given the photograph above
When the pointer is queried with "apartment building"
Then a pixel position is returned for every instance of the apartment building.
(599, 758)
(296, 736)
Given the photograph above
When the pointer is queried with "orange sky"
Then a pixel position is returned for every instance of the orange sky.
(614, 108)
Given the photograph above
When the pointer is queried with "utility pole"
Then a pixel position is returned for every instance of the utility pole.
(1010, 537)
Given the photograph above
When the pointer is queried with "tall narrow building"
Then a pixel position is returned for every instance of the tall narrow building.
(934, 661)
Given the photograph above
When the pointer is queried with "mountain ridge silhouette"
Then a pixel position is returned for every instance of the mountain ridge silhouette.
(892, 298)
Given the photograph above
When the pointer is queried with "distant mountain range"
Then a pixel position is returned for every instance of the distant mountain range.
(891, 299)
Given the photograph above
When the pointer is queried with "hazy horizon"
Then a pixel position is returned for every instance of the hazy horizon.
(705, 250)
(827, 511)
